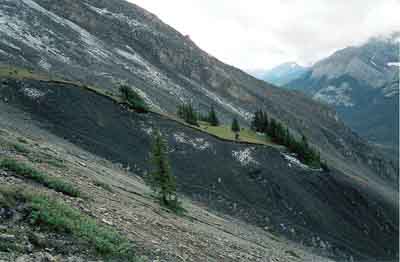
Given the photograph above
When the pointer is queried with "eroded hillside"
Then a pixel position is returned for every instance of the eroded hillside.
(114, 199)
(251, 182)
(104, 42)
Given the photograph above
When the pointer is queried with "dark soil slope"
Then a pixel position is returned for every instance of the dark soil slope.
(337, 214)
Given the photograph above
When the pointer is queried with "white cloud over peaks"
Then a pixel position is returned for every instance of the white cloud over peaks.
(256, 34)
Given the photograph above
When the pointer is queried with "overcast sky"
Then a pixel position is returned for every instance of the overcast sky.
(259, 34)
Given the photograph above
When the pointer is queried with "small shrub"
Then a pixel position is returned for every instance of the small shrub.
(103, 185)
(20, 148)
(26, 171)
(133, 99)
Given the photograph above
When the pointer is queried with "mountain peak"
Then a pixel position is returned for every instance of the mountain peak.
(283, 73)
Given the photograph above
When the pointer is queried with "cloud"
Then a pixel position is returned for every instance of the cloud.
(255, 34)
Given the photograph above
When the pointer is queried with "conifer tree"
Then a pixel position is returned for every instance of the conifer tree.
(265, 122)
(254, 122)
(235, 126)
(212, 117)
(187, 113)
(160, 178)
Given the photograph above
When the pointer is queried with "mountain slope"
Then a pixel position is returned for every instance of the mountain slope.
(115, 199)
(104, 42)
(363, 85)
(282, 74)
(256, 183)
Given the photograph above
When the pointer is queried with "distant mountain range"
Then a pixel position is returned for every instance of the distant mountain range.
(361, 82)
(282, 74)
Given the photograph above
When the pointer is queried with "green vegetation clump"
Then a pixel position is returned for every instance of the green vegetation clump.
(61, 218)
(26, 171)
(20, 148)
(281, 135)
(160, 178)
(103, 185)
(188, 114)
(133, 99)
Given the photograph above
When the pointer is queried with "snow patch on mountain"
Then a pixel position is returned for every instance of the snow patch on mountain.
(292, 160)
(197, 143)
(33, 93)
(244, 157)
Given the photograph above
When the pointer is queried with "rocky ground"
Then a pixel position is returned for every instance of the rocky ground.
(158, 234)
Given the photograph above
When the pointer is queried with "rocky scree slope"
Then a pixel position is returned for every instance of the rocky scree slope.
(336, 214)
(362, 83)
(105, 42)
(115, 199)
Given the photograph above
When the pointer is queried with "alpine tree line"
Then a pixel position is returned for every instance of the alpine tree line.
(280, 134)
(261, 123)
(191, 116)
